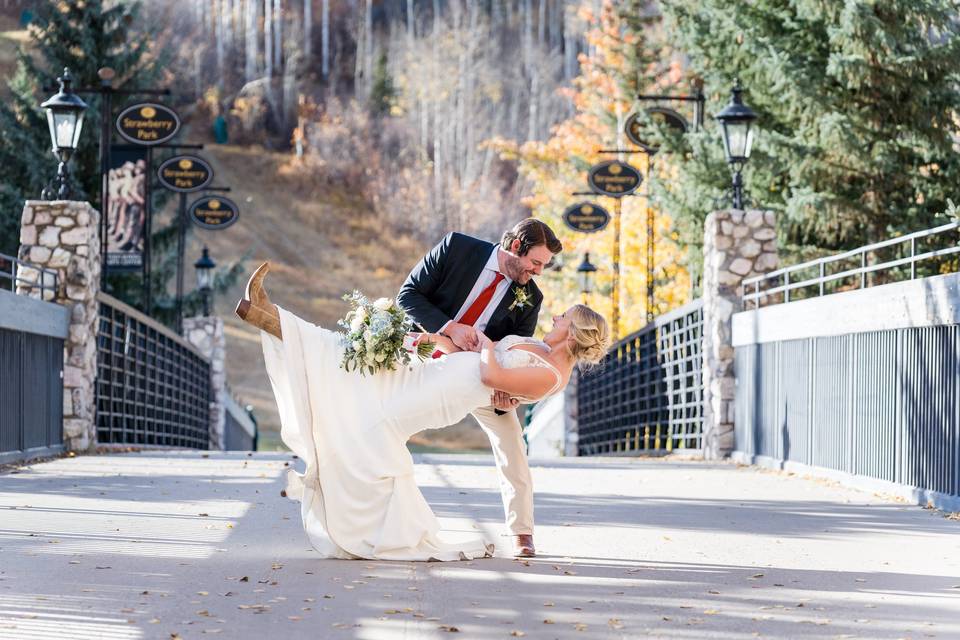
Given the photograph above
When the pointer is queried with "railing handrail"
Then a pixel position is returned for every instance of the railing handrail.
(823, 278)
(40, 284)
(150, 322)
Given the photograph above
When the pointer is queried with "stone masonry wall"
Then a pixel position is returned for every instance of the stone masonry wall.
(737, 245)
(63, 236)
(206, 334)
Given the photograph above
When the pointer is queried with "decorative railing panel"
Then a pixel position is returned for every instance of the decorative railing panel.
(32, 333)
(883, 405)
(153, 387)
(648, 393)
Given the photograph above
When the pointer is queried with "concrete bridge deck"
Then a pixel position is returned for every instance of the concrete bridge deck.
(183, 545)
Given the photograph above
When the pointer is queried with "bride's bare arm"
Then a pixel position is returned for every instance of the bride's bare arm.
(528, 382)
(443, 343)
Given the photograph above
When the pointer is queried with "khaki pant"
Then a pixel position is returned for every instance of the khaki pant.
(510, 455)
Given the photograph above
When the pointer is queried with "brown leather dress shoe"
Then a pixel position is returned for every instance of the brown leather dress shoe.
(523, 546)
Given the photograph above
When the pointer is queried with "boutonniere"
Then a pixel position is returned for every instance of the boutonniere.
(520, 298)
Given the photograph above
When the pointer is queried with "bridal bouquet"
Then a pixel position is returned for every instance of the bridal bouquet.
(374, 335)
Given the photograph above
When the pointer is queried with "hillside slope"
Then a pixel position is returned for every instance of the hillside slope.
(321, 244)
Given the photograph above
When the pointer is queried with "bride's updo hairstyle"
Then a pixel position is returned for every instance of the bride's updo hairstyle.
(589, 336)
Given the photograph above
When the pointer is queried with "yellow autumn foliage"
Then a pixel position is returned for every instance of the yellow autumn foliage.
(556, 168)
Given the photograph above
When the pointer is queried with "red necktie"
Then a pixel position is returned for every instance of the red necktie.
(481, 302)
(476, 309)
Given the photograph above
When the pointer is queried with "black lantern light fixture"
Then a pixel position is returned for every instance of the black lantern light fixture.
(205, 266)
(585, 276)
(736, 119)
(65, 119)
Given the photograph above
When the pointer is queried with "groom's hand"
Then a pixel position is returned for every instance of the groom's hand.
(501, 400)
(463, 335)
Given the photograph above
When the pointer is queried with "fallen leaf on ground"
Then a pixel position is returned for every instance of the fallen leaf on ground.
(517, 634)
(579, 626)
(448, 628)
(548, 621)
(615, 623)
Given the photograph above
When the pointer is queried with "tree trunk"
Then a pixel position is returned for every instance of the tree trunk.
(268, 38)
(325, 38)
(252, 46)
(308, 29)
(278, 18)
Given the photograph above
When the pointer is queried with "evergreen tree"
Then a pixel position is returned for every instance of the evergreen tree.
(383, 93)
(84, 37)
(857, 104)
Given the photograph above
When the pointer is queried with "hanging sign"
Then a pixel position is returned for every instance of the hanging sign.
(148, 123)
(214, 212)
(614, 178)
(185, 173)
(586, 217)
(126, 212)
(634, 127)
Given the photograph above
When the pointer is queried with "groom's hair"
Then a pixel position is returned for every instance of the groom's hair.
(531, 233)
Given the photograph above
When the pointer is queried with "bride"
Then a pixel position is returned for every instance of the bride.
(358, 495)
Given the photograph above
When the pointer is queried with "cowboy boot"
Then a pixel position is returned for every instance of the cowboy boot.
(256, 308)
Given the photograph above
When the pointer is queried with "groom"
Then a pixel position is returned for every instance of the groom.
(464, 285)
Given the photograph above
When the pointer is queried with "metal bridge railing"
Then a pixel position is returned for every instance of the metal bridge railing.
(779, 284)
(45, 280)
(648, 393)
(153, 387)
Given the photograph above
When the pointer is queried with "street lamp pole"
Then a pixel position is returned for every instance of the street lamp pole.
(65, 120)
(736, 120)
(585, 274)
(205, 266)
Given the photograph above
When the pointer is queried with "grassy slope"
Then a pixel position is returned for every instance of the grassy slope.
(321, 244)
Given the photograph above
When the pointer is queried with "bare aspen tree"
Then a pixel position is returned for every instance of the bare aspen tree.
(368, 46)
(252, 46)
(308, 28)
(278, 20)
(325, 38)
(542, 22)
(268, 38)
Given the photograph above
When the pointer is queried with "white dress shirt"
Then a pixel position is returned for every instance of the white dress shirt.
(486, 278)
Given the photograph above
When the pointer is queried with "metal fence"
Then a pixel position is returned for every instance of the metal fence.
(32, 333)
(920, 254)
(647, 395)
(31, 395)
(14, 271)
(879, 404)
(153, 387)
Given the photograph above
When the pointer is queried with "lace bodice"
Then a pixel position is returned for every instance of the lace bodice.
(510, 358)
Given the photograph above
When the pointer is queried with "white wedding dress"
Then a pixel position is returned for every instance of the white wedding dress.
(358, 495)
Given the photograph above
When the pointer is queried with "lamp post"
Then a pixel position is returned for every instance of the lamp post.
(65, 119)
(585, 276)
(204, 267)
(736, 119)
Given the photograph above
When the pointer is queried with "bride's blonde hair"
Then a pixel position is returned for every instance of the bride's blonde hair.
(589, 336)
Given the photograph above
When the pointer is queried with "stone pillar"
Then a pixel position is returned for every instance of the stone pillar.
(64, 237)
(571, 412)
(736, 245)
(206, 334)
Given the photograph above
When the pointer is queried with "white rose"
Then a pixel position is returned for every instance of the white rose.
(370, 359)
(381, 357)
(356, 324)
(357, 345)
(383, 304)
(368, 336)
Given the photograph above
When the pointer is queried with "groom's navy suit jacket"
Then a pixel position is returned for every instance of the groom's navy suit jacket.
(440, 283)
